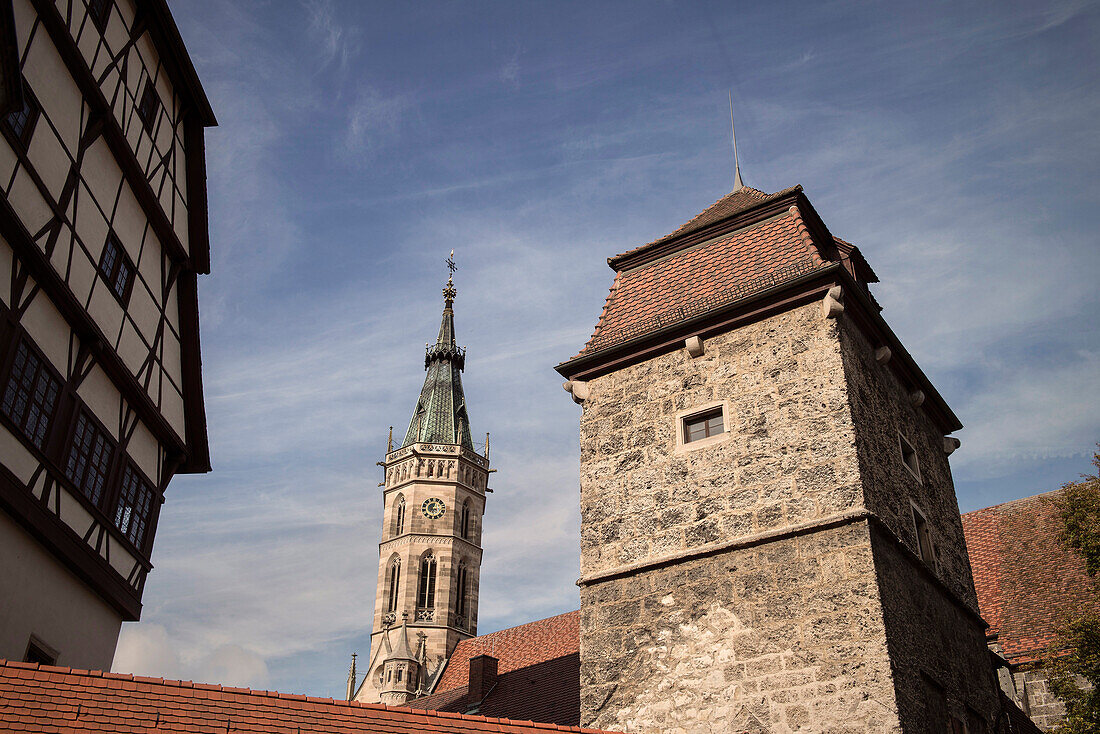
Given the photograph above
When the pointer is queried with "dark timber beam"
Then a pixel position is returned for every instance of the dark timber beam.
(112, 132)
(12, 229)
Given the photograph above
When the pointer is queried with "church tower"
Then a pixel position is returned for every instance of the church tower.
(770, 539)
(430, 555)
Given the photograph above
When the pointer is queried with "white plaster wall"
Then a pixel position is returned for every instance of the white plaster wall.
(39, 596)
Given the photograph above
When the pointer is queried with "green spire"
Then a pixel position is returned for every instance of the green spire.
(440, 414)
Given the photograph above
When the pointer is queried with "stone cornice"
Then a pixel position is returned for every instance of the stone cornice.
(860, 514)
(427, 539)
(435, 449)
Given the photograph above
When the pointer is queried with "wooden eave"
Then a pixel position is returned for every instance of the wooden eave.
(783, 297)
(174, 52)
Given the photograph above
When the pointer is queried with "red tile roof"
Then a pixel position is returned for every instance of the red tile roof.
(514, 648)
(729, 205)
(37, 698)
(692, 281)
(1027, 581)
(538, 673)
(549, 692)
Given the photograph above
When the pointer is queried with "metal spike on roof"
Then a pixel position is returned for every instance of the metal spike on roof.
(738, 184)
(440, 414)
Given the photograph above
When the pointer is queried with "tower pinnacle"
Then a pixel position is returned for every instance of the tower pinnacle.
(440, 413)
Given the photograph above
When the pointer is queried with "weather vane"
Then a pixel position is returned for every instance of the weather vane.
(451, 263)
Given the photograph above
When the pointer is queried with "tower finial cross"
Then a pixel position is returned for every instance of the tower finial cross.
(451, 263)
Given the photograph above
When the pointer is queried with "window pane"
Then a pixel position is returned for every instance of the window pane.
(30, 395)
(89, 458)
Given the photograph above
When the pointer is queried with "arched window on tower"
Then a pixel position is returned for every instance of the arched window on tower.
(460, 595)
(399, 516)
(464, 521)
(425, 588)
(394, 581)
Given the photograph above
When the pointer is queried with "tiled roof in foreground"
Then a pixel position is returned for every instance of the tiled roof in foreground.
(37, 698)
(1027, 581)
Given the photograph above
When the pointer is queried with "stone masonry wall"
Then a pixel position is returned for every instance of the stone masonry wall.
(881, 409)
(818, 659)
(788, 457)
(929, 635)
(781, 637)
(1044, 708)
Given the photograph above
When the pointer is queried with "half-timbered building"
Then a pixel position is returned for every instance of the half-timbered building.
(103, 232)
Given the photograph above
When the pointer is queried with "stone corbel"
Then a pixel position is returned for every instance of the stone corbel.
(694, 346)
(883, 355)
(578, 389)
(831, 307)
(950, 443)
(916, 398)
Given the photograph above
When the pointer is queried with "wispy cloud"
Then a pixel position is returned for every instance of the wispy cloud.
(338, 184)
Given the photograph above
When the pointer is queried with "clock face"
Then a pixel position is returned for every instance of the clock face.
(433, 508)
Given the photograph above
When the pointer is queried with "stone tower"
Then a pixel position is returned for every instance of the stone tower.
(770, 539)
(430, 555)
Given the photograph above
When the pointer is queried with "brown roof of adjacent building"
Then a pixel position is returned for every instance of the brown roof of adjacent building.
(548, 691)
(36, 698)
(704, 276)
(1028, 583)
(514, 648)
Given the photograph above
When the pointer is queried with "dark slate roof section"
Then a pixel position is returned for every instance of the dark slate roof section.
(440, 414)
(1027, 581)
(38, 698)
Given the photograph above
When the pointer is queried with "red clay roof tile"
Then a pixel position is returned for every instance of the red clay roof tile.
(1027, 581)
(107, 702)
(702, 277)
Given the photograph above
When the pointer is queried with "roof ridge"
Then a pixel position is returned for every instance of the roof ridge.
(1029, 498)
(60, 669)
(701, 220)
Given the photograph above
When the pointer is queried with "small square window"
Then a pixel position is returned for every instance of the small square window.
(148, 107)
(20, 123)
(116, 269)
(703, 425)
(909, 456)
(925, 546)
(39, 652)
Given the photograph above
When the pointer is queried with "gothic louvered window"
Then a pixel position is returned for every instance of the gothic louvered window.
(31, 394)
(148, 106)
(21, 122)
(395, 586)
(89, 458)
(465, 520)
(99, 12)
(425, 589)
(116, 269)
(135, 502)
(399, 524)
(460, 602)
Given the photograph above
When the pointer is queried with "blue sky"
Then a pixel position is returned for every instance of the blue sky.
(955, 142)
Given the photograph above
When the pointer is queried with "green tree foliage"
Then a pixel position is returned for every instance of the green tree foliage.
(1075, 657)
(1079, 505)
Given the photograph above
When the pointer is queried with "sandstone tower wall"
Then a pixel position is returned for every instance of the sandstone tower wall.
(730, 586)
